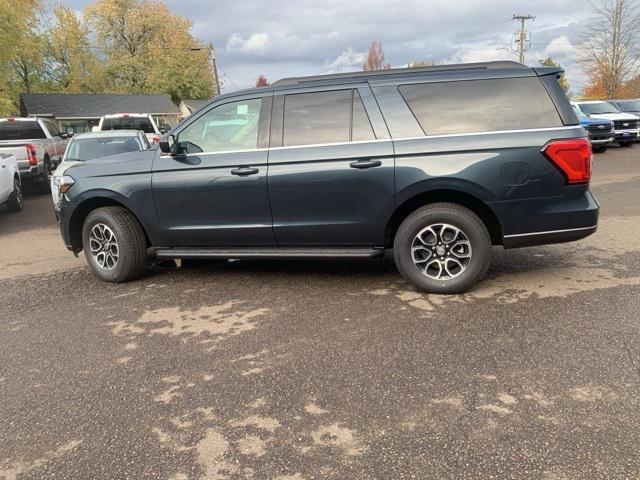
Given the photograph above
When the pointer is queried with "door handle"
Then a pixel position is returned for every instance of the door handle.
(363, 164)
(244, 171)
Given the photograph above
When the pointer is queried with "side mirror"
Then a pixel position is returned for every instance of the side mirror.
(63, 135)
(164, 128)
(167, 143)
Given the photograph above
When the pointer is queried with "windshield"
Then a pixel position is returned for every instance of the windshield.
(83, 149)
(579, 113)
(128, 123)
(14, 130)
(630, 106)
(598, 108)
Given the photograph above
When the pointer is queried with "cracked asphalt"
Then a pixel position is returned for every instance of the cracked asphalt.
(297, 370)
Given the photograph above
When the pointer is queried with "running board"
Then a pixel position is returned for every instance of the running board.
(259, 252)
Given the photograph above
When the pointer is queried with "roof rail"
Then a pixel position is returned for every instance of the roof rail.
(400, 71)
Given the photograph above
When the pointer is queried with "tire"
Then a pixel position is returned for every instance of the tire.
(454, 227)
(100, 228)
(43, 184)
(16, 201)
(600, 149)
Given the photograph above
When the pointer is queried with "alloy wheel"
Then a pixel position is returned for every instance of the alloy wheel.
(441, 251)
(104, 246)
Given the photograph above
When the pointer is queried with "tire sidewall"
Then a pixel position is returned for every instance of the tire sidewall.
(16, 201)
(472, 228)
(117, 273)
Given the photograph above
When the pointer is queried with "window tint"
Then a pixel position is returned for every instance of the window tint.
(83, 149)
(229, 127)
(601, 107)
(128, 123)
(318, 117)
(629, 106)
(17, 130)
(361, 126)
(481, 105)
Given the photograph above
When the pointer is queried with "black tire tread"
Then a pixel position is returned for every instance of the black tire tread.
(12, 203)
(132, 238)
(439, 208)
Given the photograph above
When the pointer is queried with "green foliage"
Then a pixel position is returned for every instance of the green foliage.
(564, 83)
(114, 46)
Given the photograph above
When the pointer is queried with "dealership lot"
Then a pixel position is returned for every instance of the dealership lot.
(325, 369)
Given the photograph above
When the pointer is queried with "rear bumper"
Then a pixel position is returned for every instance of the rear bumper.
(548, 220)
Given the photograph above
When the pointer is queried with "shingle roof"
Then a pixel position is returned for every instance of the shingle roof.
(194, 105)
(88, 105)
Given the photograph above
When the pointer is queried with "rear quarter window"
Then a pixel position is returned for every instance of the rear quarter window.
(473, 106)
(21, 131)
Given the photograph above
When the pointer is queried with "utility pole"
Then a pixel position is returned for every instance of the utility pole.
(522, 37)
(216, 81)
(214, 68)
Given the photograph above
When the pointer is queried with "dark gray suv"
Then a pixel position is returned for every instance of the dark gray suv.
(436, 163)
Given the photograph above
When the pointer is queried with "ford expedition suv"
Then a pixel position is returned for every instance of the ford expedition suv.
(38, 146)
(436, 163)
(600, 130)
(625, 125)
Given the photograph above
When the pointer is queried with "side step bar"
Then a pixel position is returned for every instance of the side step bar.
(270, 252)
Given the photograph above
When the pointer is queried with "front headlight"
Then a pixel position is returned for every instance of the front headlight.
(63, 183)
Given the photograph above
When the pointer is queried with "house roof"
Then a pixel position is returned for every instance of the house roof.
(89, 105)
(193, 104)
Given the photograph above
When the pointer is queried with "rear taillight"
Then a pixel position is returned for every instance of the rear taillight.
(573, 158)
(31, 155)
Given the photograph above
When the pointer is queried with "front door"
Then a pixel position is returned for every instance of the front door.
(215, 194)
(331, 169)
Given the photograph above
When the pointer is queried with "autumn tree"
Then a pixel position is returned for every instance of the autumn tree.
(610, 47)
(425, 63)
(148, 49)
(262, 81)
(73, 65)
(375, 58)
(550, 62)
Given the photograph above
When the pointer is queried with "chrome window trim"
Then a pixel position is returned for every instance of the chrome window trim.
(550, 232)
(426, 137)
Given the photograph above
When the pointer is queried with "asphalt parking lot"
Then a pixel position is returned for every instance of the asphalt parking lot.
(306, 370)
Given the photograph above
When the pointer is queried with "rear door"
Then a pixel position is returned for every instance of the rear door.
(331, 178)
(216, 194)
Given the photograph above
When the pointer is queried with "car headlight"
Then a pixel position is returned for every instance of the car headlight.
(63, 184)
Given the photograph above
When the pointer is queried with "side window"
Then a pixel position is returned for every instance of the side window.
(318, 117)
(228, 127)
(53, 129)
(361, 129)
(481, 105)
(325, 117)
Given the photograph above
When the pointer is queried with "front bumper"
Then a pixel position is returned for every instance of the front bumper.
(601, 141)
(63, 214)
(628, 135)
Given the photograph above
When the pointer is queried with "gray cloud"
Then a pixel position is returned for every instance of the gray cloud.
(283, 38)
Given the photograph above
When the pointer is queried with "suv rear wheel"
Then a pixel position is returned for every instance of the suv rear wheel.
(442, 248)
(114, 244)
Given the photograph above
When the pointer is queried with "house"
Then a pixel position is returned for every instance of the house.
(188, 106)
(78, 112)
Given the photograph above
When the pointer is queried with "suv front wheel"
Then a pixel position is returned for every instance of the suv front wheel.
(442, 248)
(114, 244)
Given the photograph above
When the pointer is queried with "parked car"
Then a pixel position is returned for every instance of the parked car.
(38, 146)
(10, 184)
(98, 146)
(626, 126)
(436, 163)
(132, 121)
(600, 131)
(631, 106)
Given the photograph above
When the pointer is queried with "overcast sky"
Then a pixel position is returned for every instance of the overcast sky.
(279, 38)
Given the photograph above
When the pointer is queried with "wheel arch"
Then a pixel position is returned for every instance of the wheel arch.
(88, 205)
(457, 197)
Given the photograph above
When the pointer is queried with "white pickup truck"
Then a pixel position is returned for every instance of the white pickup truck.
(10, 185)
(38, 146)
